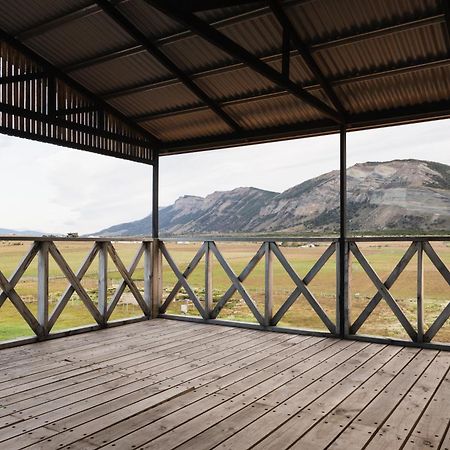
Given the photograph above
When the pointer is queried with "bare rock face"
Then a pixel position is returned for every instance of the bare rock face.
(400, 195)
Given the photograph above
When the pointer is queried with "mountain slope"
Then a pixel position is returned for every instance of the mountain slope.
(395, 195)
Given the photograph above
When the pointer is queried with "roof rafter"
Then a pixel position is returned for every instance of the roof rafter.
(378, 30)
(271, 57)
(57, 73)
(62, 19)
(306, 55)
(380, 72)
(232, 48)
(428, 111)
(126, 25)
(446, 5)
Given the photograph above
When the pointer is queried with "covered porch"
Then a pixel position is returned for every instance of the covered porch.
(145, 79)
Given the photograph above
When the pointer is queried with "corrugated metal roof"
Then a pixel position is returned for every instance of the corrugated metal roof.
(346, 39)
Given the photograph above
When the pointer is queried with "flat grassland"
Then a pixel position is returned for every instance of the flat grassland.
(382, 256)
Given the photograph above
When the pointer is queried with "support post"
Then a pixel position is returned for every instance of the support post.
(268, 279)
(148, 276)
(43, 274)
(156, 266)
(103, 281)
(343, 253)
(208, 281)
(420, 319)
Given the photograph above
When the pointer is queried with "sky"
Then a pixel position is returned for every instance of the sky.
(59, 190)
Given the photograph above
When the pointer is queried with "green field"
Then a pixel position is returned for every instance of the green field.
(382, 257)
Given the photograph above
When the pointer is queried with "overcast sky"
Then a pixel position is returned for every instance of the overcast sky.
(53, 189)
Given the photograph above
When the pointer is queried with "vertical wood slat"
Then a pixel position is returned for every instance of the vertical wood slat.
(156, 278)
(420, 280)
(43, 276)
(268, 288)
(148, 275)
(103, 281)
(343, 271)
(208, 280)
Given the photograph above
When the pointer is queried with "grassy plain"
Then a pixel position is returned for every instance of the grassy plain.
(382, 256)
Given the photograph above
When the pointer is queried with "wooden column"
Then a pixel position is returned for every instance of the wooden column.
(208, 280)
(103, 281)
(268, 279)
(43, 274)
(156, 266)
(420, 319)
(148, 275)
(342, 320)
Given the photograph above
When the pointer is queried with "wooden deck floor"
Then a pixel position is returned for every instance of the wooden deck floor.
(163, 384)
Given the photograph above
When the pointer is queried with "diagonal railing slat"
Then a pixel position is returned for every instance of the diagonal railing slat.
(189, 269)
(17, 301)
(412, 333)
(443, 270)
(73, 280)
(21, 269)
(391, 279)
(242, 277)
(303, 288)
(315, 269)
(183, 281)
(70, 289)
(122, 286)
(127, 278)
(237, 284)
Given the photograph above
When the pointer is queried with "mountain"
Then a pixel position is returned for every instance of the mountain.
(400, 195)
(8, 232)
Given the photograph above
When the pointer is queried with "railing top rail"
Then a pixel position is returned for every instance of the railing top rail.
(250, 239)
(75, 239)
(399, 238)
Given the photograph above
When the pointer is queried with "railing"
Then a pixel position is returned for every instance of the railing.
(306, 270)
(99, 306)
(420, 331)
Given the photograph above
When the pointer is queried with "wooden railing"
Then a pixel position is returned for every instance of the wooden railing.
(269, 318)
(158, 261)
(43, 249)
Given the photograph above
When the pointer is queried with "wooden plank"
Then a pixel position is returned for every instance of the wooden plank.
(72, 416)
(420, 285)
(433, 424)
(331, 424)
(374, 415)
(189, 421)
(398, 426)
(291, 430)
(240, 370)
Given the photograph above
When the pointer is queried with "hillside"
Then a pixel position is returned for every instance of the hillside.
(398, 195)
